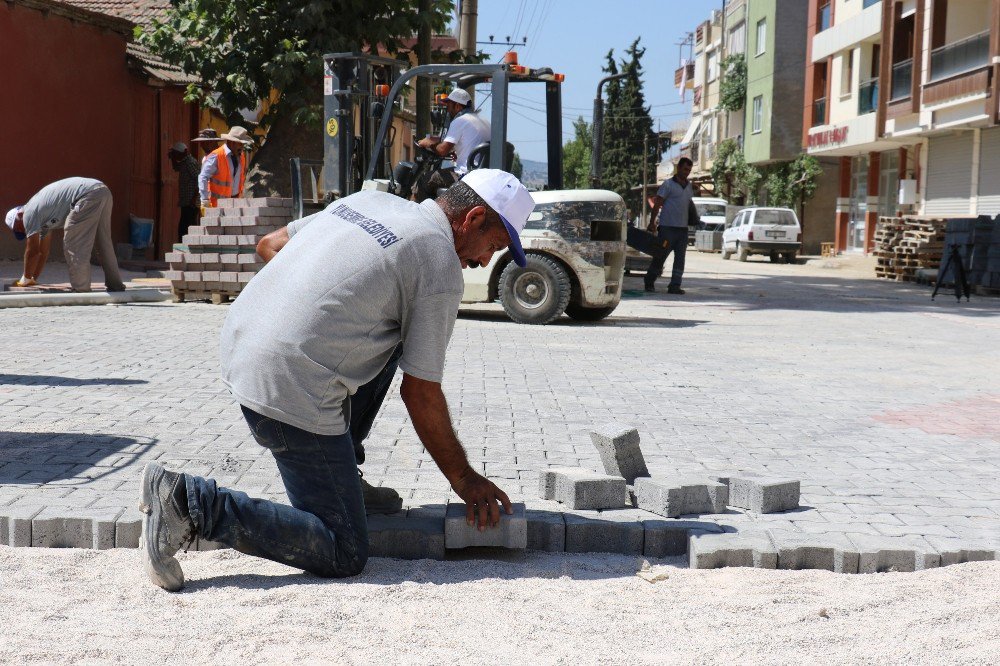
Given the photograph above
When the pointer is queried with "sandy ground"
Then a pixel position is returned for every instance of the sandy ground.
(60, 606)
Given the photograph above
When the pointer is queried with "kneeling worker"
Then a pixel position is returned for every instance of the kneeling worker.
(82, 208)
(309, 350)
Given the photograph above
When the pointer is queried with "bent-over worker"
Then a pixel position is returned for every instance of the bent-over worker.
(81, 207)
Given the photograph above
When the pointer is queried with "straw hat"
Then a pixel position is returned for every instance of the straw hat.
(207, 134)
(237, 133)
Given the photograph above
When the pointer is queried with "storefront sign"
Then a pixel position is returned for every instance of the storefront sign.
(830, 137)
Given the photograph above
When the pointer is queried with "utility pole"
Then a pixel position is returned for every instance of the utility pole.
(469, 13)
(645, 179)
(424, 58)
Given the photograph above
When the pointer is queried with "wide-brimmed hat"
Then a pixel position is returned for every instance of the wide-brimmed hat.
(207, 134)
(237, 133)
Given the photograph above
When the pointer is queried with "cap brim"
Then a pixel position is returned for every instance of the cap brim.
(515, 248)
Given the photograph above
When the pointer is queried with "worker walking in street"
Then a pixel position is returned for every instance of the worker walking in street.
(187, 186)
(81, 207)
(309, 349)
(671, 212)
(224, 170)
(467, 130)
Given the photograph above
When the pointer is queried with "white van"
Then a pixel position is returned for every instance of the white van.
(712, 212)
(775, 232)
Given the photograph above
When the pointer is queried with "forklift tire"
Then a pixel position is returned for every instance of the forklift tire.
(742, 253)
(580, 313)
(537, 293)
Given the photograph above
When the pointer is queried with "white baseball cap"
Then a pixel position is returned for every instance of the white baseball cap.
(11, 220)
(460, 96)
(509, 198)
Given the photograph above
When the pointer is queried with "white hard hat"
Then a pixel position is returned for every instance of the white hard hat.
(460, 96)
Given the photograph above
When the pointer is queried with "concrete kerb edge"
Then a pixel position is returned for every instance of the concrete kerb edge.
(142, 295)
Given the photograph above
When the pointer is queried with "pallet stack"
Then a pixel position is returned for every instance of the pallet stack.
(905, 245)
(215, 260)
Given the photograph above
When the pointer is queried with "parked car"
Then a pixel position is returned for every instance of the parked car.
(775, 232)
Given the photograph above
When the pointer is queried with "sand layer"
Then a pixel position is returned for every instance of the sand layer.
(59, 606)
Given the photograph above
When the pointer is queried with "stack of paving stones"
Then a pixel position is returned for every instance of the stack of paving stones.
(905, 246)
(978, 242)
(215, 260)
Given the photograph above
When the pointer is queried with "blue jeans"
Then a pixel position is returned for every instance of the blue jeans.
(678, 238)
(324, 531)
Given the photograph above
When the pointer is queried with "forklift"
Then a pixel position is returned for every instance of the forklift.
(574, 239)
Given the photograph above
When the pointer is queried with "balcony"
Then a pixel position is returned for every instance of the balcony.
(902, 80)
(819, 112)
(868, 97)
(685, 74)
(962, 56)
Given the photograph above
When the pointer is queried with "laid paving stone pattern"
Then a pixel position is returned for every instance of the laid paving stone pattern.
(883, 404)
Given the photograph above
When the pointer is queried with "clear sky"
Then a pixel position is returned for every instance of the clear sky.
(573, 37)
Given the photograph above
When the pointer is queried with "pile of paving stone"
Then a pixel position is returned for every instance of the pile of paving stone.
(906, 245)
(215, 260)
(978, 243)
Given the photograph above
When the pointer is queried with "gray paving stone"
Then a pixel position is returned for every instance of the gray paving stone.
(669, 538)
(677, 497)
(511, 532)
(546, 528)
(579, 488)
(414, 534)
(603, 532)
(707, 550)
(61, 527)
(15, 525)
(958, 551)
(879, 554)
(128, 528)
(763, 494)
(798, 550)
(618, 446)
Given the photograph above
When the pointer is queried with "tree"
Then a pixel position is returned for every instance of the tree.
(733, 88)
(737, 181)
(627, 127)
(516, 168)
(245, 51)
(790, 184)
(576, 156)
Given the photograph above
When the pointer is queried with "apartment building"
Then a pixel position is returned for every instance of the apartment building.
(704, 132)
(942, 69)
(905, 93)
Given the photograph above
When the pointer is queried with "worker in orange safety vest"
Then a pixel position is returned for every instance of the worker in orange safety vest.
(224, 170)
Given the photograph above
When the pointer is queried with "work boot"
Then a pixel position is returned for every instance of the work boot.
(675, 290)
(380, 499)
(650, 288)
(166, 525)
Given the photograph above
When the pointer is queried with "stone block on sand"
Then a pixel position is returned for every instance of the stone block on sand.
(763, 495)
(582, 489)
(511, 532)
(673, 497)
(707, 550)
(620, 452)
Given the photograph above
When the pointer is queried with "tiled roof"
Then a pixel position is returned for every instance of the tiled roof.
(139, 12)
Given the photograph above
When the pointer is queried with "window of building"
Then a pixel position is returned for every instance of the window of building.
(761, 36)
(758, 113)
(847, 74)
(868, 3)
(738, 39)
(824, 17)
(713, 66)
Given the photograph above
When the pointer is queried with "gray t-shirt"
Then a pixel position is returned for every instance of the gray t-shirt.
(325, 314)
(52, 204)
(676, 203)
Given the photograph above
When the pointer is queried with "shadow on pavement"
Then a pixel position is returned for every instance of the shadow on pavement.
(52, 380)
(32, 458)
(809, 292)
(611, 322)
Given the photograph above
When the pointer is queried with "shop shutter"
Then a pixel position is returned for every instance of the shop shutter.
(989, 173)
(949, 175)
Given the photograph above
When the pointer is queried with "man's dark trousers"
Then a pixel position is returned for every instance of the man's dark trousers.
(189, 218)
(677, 237)
(325, 530)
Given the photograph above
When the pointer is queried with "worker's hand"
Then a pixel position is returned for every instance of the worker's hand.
(482, 499)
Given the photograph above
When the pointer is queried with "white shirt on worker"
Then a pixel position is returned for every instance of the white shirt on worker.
(466, 132)
(209, 167)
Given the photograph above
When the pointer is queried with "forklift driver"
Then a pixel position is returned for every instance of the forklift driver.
(466, 131)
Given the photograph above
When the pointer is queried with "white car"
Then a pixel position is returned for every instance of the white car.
(775, 232)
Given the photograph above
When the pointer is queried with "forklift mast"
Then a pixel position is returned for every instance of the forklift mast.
(361, 91)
